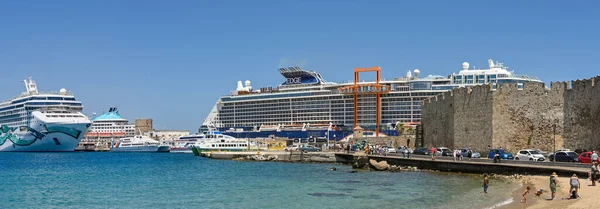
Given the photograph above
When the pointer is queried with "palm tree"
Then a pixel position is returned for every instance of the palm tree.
(410, 130)
(399, 128)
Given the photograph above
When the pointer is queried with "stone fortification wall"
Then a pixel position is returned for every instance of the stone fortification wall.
(440, 130)
(525, 118)
(473, 118)
(582, 114)
(515, 118)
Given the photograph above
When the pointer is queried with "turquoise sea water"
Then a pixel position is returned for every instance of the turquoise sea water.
(163, 180)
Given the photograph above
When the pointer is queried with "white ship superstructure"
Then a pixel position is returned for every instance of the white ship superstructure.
(305, 98)
(38, 121)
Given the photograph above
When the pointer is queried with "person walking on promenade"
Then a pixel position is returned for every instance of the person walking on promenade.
(575, 185)
(594, 158)
(553, 183)
(486, 182)
(454, 155)
(407, 150)
(432, 152)
(469, 153)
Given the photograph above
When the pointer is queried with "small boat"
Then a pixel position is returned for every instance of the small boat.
(215, 141)
(138, 143)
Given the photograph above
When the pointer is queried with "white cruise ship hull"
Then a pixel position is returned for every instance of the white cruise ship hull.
(43, 137)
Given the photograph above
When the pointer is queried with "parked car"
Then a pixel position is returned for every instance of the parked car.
(293, 147)
(465, 153)
(388, 149)
(586, 157)
(421, 151)
(503, 154)
(401, 149)
(309, 148)
(544, 153)
(529, 154)
(443, 151)
(564, 156)
(580, 151)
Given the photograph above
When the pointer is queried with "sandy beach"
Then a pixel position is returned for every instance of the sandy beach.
(589, 195)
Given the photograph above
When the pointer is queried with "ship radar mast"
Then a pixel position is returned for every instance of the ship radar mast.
(30, 86)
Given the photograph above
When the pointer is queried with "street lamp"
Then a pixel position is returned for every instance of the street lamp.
(328, 138)
(554, 129)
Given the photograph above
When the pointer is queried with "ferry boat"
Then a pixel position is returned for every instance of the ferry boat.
(184, 144)
(305, 98)
(215, 141)
(38, 121)
(138, 143)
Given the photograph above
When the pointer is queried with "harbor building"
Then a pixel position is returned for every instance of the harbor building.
(306, 105)
(144, 125)
(167, 136)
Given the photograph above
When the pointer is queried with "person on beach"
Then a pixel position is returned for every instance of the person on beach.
(432, 152)
(593, 175)
(486, 181)
(575, 185)
(553, 183)
(525, 193)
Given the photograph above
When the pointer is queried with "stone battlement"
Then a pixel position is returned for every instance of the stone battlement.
(515, 116)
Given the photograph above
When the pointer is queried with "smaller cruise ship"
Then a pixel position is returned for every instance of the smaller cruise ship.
(138, 143)
(215, 141)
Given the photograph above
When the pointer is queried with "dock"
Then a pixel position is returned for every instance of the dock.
(282, 156)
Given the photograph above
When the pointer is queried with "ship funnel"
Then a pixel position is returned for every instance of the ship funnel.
(491, 63)
(240, 87)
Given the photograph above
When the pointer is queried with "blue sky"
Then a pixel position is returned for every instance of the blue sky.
(171, 60)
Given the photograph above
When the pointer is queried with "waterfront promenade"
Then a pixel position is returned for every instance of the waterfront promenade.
(447, 164)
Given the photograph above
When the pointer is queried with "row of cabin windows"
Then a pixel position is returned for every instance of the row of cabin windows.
(62, 116)
(229, 145)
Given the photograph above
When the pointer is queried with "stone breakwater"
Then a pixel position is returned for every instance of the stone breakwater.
(515, 117)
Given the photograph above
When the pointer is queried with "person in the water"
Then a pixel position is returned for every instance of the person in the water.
(486, 182)
(525, 193)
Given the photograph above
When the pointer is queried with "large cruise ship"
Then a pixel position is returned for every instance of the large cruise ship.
(306, 105)
(36, 121)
